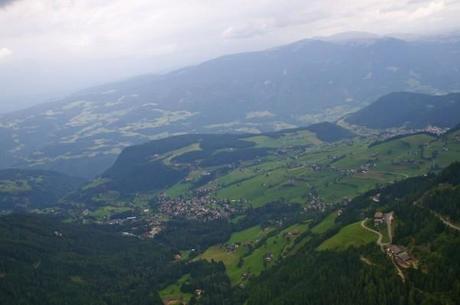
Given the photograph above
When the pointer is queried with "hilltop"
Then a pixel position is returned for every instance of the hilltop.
(409, 110)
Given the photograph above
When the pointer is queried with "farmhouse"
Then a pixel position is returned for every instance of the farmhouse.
(382, 218)
(400, 255)
(268, 257)
(376, 198)
(379, 218)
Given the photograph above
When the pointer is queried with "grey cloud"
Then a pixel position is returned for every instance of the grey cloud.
(411, 5)
(264, 26)
(247, 30)
(4, 3)
(68, 44)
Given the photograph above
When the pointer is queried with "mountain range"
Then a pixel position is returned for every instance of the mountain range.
(294, 85)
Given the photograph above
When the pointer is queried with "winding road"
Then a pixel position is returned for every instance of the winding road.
(447, 222)
(440, 217)
(380, 235)
(382, 245)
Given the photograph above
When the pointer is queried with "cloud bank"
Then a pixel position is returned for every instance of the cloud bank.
(4, 52)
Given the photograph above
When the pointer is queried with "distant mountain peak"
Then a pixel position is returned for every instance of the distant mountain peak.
(349, 36)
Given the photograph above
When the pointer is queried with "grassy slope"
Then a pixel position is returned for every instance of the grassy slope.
(351, 235)
(325, 224)
(173, 293)
(288, 173)
(252, 258)
(291, 178)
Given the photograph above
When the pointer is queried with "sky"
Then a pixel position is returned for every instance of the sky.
(49, 48)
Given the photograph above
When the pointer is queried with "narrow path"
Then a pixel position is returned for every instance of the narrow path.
(398, 270)
(440, 217)
(390, 232)
(447, 222)
(380, 235)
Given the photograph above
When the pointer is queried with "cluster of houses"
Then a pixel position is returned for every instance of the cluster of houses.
(317, 167)
(393, 132)
(400, 255)
(381, 218)
(436, 130)
(205, 190)
(120, 221)
(231, 247)
(291, 235)
(154, 226)
(364, 168)
(204, 208)
(316, 205)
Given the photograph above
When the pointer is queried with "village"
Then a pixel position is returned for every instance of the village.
(204, 208)
(148, 222)
(201, 204)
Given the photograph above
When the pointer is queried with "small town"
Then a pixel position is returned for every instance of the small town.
(203, 207)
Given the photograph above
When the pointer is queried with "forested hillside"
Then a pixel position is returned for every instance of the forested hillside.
(44, 261)
(33, 189)
(409, 110)
(278, 253)
(365, 275)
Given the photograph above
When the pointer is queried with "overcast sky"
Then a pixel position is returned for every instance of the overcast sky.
(52, 47)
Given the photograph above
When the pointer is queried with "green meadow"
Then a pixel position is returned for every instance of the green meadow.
(254, 246)
(352, 235)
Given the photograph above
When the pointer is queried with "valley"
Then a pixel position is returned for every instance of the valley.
(294, 166)
(231, 211)
(325, 171)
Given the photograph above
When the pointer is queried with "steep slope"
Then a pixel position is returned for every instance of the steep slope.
(318, 276)
(47, 262)
(409, 110)
(33, 189)
(304, 82)
(151, 166)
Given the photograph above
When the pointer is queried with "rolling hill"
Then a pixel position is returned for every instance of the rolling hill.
(294, 85)
(409, 110)
(188, 174)
(193, 161)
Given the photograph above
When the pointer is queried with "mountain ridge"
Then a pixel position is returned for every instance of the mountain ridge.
(411, 110)
(294, 85)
